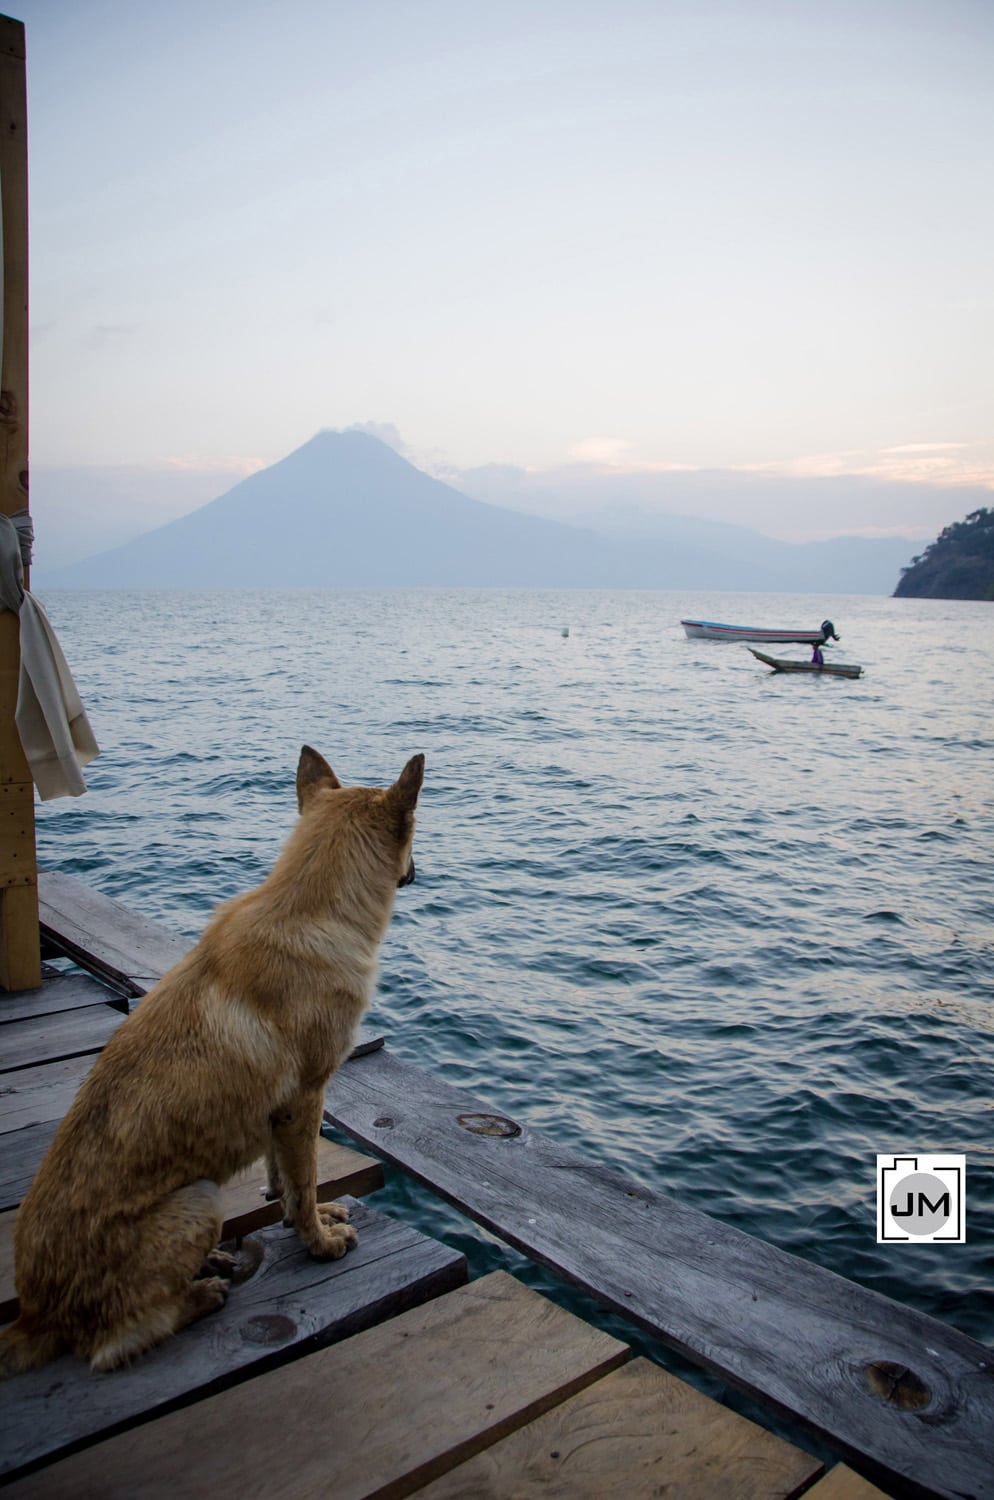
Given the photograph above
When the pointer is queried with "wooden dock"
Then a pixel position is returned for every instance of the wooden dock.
(387, 1374)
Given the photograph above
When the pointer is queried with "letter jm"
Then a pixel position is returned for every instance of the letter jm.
(941, 1205)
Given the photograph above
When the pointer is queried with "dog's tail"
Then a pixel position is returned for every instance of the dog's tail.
(25, 1346)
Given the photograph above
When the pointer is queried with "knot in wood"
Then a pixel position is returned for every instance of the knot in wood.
(897, 1385)
(497, 1125)
(268, 1328)
(383, 1122)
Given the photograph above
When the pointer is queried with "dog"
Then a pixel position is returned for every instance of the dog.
(225, 1061)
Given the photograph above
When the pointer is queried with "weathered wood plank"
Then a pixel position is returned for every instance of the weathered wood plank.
(341, 1172)
(41, 1039)
(58, 993)
(33, 1096)
(786, 1331)
(107, 938)
(21, 1152)
(290, 1305)
(379, 1415)
(639, 1432)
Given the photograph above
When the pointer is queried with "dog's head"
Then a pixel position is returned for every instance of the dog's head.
(391, 808)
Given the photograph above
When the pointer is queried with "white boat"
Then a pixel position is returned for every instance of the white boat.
(710, 630)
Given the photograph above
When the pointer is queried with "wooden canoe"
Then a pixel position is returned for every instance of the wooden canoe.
(829, 668)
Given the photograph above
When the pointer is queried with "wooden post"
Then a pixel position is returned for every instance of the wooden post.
(20, 948)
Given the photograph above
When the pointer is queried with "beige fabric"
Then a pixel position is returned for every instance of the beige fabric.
(51, 721)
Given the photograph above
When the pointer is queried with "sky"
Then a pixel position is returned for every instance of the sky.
(686, 235)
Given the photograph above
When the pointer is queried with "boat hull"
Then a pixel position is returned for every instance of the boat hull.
(710, 630)
(828, 669)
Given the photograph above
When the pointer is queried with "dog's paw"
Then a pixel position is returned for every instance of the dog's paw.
(218, 1263)
(333, 1213)
(209, 1294)
(332, 1243)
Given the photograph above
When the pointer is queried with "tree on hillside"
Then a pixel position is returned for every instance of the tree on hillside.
(959, 564)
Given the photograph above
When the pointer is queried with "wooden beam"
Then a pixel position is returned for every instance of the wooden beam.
(20, 948)
(794, 1336)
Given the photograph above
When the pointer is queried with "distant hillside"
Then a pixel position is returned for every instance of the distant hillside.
(347, 511)
(959, 564)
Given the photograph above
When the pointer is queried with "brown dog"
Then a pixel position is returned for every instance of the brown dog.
(226, 1060)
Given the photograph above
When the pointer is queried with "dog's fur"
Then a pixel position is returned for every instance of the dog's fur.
(225, 1061)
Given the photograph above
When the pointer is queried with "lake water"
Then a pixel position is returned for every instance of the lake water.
(728, 932)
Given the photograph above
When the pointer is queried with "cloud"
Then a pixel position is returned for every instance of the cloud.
(925, 447)
(909, 463)
(387, 432)
(600, 450)
(195, 463)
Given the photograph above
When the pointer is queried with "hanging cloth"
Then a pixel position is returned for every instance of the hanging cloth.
(51, 721)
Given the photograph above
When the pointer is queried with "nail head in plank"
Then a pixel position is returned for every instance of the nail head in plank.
(719, 1296)
(290, 1305)
(379, 1415)
(630, 1434)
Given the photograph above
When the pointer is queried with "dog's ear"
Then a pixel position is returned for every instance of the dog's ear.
(404, 792)
(313, 771)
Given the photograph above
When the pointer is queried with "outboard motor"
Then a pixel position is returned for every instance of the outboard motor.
(828, 632)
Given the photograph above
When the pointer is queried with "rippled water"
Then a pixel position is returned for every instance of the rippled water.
(726, 931)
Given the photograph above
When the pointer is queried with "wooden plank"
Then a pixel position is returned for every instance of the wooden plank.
(127, 951)
(788, 1332)
(20, 949)
(41, 1039)
(341, 1172)
(103, 936)
(639, 1432)
(34, 1096)
(20, 1159)
(842, 1484)
(58, 993)
(379, 1415)
(289, 1305)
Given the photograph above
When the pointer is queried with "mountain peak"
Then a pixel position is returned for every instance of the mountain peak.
(346, 510)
